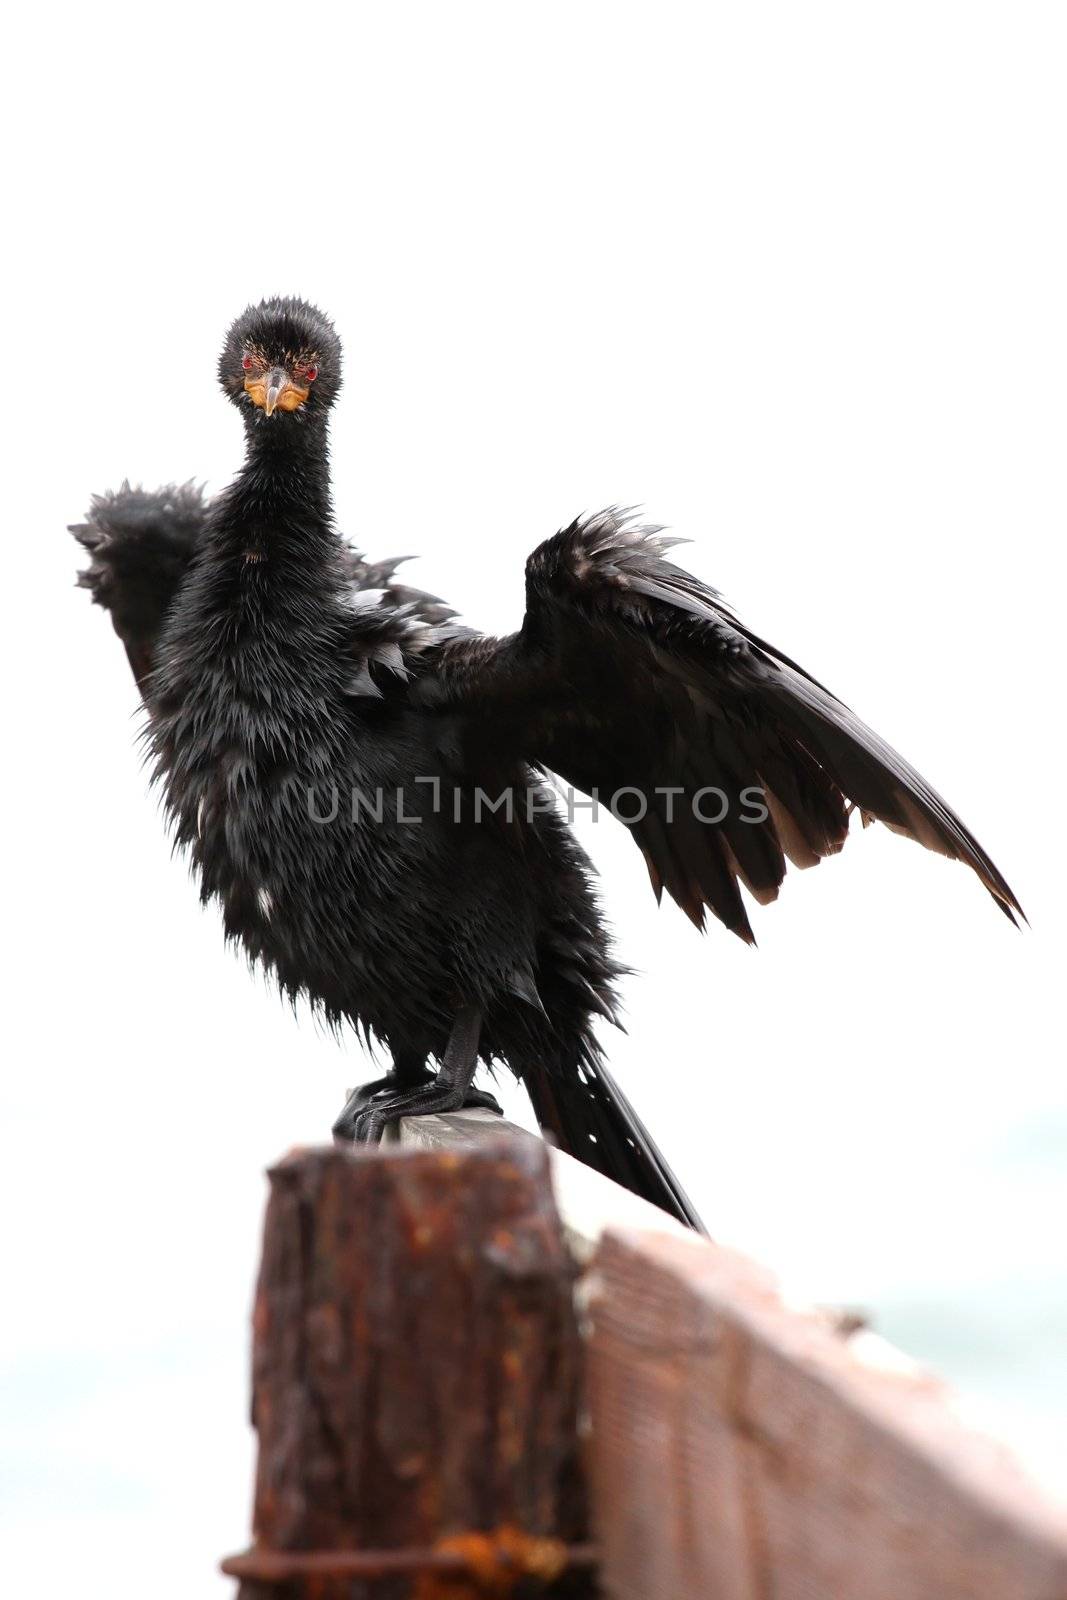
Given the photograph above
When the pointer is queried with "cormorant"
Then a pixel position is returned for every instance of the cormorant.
(360, 780)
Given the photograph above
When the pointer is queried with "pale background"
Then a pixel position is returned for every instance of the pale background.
(794, 278)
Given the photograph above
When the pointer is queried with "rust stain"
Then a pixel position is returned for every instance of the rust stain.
(495, 1564)
(463, 1566)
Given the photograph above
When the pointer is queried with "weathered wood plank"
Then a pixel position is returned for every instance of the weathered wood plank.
(742, 1452)
(587, 1201)
(416, 1361)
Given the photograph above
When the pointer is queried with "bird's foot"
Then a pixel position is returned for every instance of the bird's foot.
(371, 1122)
(367, 1094)
(481, 1100)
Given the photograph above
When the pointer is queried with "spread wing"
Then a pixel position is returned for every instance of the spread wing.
(140, 544)
(631, 679)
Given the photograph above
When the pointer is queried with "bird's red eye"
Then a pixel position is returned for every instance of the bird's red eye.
(246, 362)
(311, 373)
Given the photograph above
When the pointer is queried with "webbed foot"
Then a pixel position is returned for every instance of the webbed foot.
(450, 1090)
(372, 1122)
(367, 1094)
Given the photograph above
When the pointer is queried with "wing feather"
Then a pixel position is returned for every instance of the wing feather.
(630, 673)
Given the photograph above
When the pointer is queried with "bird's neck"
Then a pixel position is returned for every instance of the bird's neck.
(278, 507)
(266, 587)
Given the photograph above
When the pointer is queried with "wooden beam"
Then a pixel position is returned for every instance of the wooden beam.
(741, 1451)
(744, 1448)
(588, 1202)
(416, 1361)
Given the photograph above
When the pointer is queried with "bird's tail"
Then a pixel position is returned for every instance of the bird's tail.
(586, 1114)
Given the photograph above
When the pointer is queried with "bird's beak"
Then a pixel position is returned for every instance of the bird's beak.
(277, 381)
(275, 391)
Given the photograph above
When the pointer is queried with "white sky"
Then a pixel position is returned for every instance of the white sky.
(792, 278)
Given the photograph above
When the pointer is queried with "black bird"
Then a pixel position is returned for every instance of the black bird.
(360, 781)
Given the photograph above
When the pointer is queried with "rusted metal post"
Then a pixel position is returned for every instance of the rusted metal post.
(416, 1374)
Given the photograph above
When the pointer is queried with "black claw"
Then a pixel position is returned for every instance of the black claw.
(372, 1107)
(368, 1096)
(482, 1099)
(371, 1123)
(369, 1128)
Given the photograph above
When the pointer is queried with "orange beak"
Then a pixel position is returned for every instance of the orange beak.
(275, 391)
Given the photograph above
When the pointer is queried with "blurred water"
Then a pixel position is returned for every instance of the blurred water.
(997, 1325)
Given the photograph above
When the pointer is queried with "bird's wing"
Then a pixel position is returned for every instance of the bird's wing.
(379, 578)
(140, 545)
(724, 758)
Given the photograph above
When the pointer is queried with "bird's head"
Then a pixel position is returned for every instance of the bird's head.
(281, 359)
